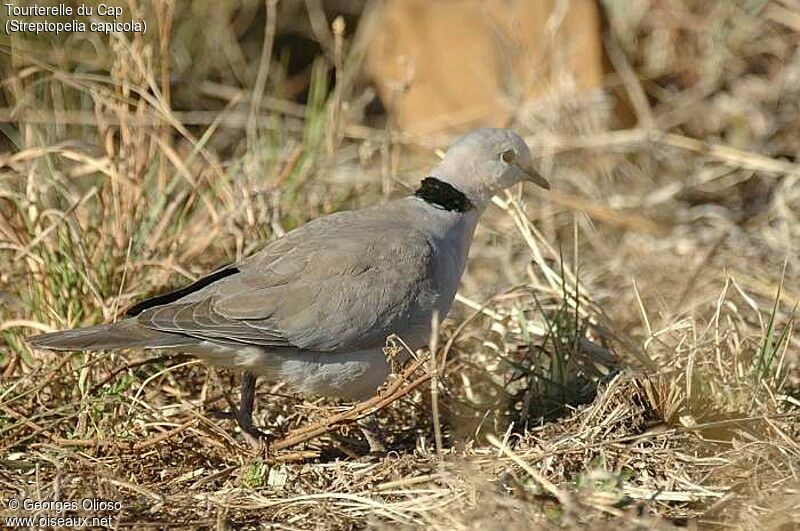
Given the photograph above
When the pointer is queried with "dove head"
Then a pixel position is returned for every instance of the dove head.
(487, 161)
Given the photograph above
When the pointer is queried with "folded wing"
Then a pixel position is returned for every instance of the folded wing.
(335, 284)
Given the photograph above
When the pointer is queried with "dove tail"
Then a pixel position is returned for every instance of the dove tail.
(123, 334)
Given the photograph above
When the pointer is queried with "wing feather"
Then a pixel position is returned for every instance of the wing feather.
(335, 283)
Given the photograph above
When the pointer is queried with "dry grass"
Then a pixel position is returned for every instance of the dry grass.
(622, 349)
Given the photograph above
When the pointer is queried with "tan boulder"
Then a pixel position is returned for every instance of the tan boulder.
(450, 65)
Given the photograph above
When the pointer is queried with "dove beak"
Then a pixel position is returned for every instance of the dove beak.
(535, 177)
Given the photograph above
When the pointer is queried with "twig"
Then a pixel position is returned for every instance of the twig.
(319, 26)
(633, 86)
(335, 116)
(62, 217)
(263, 72)
(163, 436)
(434, 372)
(394, 391)
(129, 366)
(635, 138)
(604, 213)
(540, 479)
(405, 482)
(165, 11)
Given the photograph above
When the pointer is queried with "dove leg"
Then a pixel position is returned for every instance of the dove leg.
(248, 397)
(244, 414)
(372, 432)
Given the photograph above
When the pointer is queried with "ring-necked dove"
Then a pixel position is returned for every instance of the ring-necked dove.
(314, 308)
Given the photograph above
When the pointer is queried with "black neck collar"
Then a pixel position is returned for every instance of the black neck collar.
(443, 195)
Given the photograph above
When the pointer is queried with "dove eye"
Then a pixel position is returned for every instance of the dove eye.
(508, 156)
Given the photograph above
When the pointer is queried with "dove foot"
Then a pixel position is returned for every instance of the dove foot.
(224, 414)
(372, 433)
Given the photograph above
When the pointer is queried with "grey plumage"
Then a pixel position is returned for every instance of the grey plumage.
(123, 334)
(293, 293)
(314, 308)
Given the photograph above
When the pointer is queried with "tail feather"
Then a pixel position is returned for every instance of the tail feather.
(123, 334)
